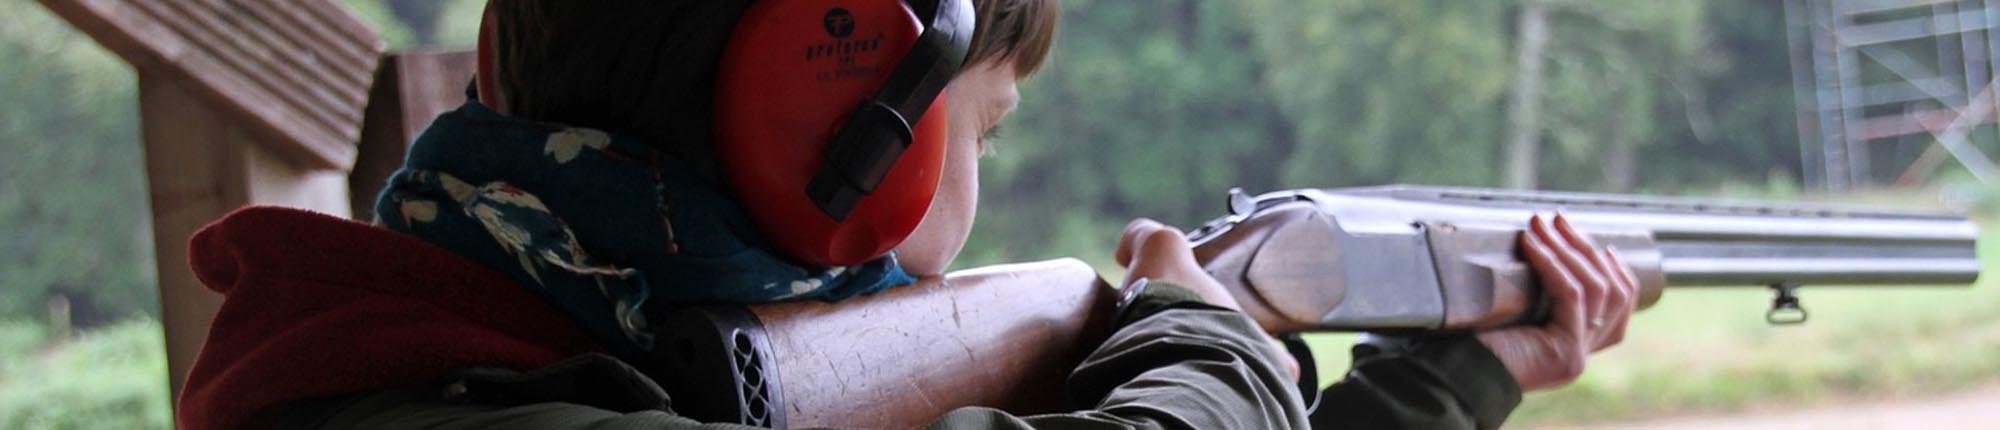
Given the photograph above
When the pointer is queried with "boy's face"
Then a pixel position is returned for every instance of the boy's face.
(980, 96)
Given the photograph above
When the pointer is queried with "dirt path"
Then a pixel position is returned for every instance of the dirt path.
(1976, 409)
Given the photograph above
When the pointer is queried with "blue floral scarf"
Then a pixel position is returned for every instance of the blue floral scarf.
(604, 227)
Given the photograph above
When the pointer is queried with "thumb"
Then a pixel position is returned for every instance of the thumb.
(1128, 242)
(1164, 245)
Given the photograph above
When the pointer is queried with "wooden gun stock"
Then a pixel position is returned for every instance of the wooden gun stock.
(1002, 336)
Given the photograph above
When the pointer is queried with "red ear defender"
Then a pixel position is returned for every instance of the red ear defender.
(487, 78)
(831, 121)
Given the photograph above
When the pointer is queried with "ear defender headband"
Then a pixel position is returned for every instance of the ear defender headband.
(830, 117)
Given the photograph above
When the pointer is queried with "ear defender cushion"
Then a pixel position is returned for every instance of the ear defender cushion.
(486, 79)
(793, 73)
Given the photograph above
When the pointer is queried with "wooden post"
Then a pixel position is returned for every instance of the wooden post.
(199, 167)
(411, 89)
(241, 102)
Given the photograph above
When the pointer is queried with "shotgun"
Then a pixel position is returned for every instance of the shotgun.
(1356, 259)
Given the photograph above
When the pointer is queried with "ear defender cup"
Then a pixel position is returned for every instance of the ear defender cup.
(831, 120)
(486, 81)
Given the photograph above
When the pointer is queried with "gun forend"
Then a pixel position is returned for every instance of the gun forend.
(1404, 257)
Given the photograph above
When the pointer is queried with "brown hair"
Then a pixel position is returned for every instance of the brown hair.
(645, 68)
(648, 67)
(1022, 31)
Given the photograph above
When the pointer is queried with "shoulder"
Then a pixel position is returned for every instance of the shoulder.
(316, 305)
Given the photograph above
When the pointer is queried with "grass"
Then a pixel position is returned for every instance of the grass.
(110, 378)
(1710, 351)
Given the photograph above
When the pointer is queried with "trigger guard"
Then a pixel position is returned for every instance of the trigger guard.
(1309, 392)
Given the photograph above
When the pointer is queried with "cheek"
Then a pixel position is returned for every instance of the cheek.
(942, 234)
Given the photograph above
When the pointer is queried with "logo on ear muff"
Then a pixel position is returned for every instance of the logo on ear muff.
(837, 161)
(839, 23)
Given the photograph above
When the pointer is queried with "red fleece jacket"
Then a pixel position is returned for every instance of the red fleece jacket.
(316, 305)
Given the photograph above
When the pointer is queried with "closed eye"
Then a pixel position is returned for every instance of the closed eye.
(986, 140)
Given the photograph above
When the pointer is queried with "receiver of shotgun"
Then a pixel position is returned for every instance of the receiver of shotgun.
(1428, 258)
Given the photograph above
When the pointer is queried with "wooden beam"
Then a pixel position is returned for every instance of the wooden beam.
(1930, 121)
(412, 89)
(294, 73)
(188, 190)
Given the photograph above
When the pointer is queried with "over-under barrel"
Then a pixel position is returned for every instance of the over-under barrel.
(1437, 257)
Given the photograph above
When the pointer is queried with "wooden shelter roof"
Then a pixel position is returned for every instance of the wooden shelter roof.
(297, 72)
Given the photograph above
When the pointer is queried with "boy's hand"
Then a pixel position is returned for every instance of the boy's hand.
(1592, 295)
(1159, 252)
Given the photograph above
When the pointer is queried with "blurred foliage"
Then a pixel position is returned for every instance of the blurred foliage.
(110, 378)
(1144, 111)
(1374, 92)
(1155, 109)
(408, 24)
(72, 184)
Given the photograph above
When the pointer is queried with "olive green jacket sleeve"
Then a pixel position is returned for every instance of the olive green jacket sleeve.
(1173, 364)
(1432, 382)
(1178, 364)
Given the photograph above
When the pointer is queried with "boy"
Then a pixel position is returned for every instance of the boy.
(531, 232)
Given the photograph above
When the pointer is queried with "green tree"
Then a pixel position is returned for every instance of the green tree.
(1380, 92)
(421, 23)
(1148, 109)
(1739, 125)
(1154, 109)
(72, 190)
(1623, 75)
